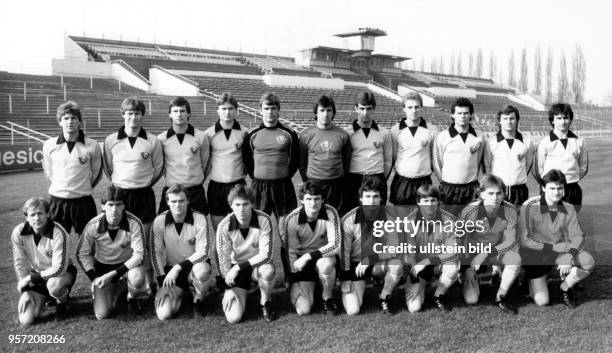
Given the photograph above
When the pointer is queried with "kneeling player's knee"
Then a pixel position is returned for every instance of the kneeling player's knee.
(541, 299)
(136, 277)
(414, 305)
(352, 308)
(326, 265)
(233, 314)
(586, 261)
(470, 296)
(266, 272)
(54, 285)
(201, 271)
(512, 258)
(27, 318)
(102, 312)
(164, 312)
(302, 303)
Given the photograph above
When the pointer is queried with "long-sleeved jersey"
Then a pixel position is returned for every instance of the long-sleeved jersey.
(499, 231)
(186, 247)
(185, 156)
(125, 249)
(326, 153)
(225, 162)
(252, 249)
(568, 155)
(74, 169)
(320, 239)
(458, 157)
(412, 148)
(271, 153)
(430, 234)
(537, 226)
(133, 165)
(509, 159)
(372, 151)
(45, 253)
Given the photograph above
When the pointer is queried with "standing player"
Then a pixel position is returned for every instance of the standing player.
(359, 261)
(73, 164)
(111, 251)
(181, 244)
(372, 150)
(41, 262)
(185, 156)
(565, 151)
(551, 236)
(440, 269)
(508, 155)
(134, 161)
(499, 221)
(225, 164)
(326, 153)
(457, 156)
(412, 145)
(244, 245)
(313, 239)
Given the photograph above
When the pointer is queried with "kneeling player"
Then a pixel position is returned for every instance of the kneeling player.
(437, 230)
(359, 260)
(498, 218)
(110, 251)
(551, 235)
(41, 262)
(180, 248)
(313, 239)
(244, 245)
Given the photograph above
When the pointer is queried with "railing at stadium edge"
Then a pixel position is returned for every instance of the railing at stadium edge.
(27, 134)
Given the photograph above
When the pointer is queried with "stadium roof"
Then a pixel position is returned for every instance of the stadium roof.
(365, 31)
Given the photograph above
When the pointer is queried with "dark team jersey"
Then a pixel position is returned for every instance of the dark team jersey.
(326, 153)
(271, 153)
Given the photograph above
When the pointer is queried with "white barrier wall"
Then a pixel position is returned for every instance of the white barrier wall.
(528, 100)
(125, 75)
(302, 81)
(452, 92)
(80, 68)
(167, 83)
(215, 74)
(74, 51)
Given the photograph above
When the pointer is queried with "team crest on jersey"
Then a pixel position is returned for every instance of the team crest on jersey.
(50, 253)
(238, 145)
(125, 245)
(520, 156)
(192, 241)
(326, 146)
(281, 139)
(145, 155)
(195, 149)
(377, 144)
(576, 154)
(424, 143)
(83, 159)
(475, 147)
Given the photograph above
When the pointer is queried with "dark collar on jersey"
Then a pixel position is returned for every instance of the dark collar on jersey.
(277, 126)
(188, 217)
(517, 136)
(103, 224)
(453, 132)
(437, 216)
(482, 213)
(570, 135)
(80, 138)
(402, 124)
(233, 222)
(218, 126)
(545, 208)
(171, 132)
(121, 133)
(360, 217)
(47, 231)
(303, 219)
(356, 126)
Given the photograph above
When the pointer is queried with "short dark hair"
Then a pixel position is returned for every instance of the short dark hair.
(271, 99)
(240, 191)
(179, 102)
(35, 202)
(133, 103)
(176, 189)
(490, 180)
(412, 96)
(370, 183)
(507, 110)
(366, 98)
(227, 97)
(462, 102)
(560, 108)
(325, 102)
(113, 193)
(554, 176)
(427, 190)
(311, 188)
(69, 107)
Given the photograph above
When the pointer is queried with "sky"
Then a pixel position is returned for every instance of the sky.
(32, 32)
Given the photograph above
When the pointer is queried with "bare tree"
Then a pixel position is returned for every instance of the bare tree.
(524, 80)
(549, 67)
(578, 75)
(459, 64)
(563, 86)
(433, 66)
(422, 66)
(441, 67)
(511, 77)
(537, 67)
(451, 65)
(492, 66)
(479, 59)
(471, 65)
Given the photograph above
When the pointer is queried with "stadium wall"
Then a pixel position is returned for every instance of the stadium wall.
(81, 68)
(214, 74)
(167, 83)
(303, 81)
(74, 51)
(528, 100)
(452, 92)
(126, 74)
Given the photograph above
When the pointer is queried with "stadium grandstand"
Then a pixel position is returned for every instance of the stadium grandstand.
(99, 73)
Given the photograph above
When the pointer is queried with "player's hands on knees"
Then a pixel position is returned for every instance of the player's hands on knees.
(346, 287)
(564, 270)
(478, 260)
(230, 278)
(104, 280)
(300, 263)
(412, 291)
(171, 276)
(562, 247)
(24, 301)
(24, 283)
(162, 294)
(360, 269)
